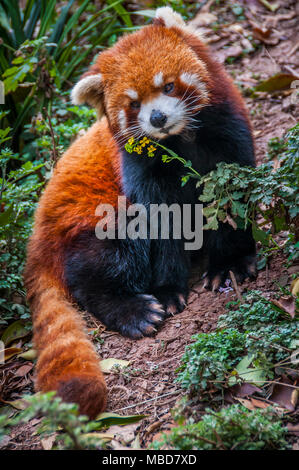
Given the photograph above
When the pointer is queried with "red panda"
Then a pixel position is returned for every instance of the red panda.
(160, 82)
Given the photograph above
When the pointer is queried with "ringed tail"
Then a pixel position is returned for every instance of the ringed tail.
(67, 361)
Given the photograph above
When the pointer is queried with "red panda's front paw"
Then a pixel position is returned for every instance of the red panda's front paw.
(242, 268)
(141, 316)
(173, 300)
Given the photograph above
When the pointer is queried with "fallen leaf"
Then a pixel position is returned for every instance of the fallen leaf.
(10, 352)
(254, 375)
(244, 390)
(14, 331)
(259, 403)
(29, 355)
(108, 364)
(278, 82)
(295, 286)
(264, 34)
(103, 436)
(47, 442)
(109, 419)
(283, 395)
(287, 304)
(23, 370)
(19, 404)
(247, 403)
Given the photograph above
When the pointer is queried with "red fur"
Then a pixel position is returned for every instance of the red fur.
(89, 174)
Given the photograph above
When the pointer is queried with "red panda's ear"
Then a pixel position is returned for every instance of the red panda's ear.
(166, 16)
(89, 90)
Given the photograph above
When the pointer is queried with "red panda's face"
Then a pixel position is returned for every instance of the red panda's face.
(150, 83)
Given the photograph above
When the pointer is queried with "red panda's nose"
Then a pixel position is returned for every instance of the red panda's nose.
(158, 119)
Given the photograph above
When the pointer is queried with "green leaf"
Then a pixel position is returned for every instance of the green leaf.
(15, 331)
(109, 419)
(259, 235)
(122, 12)
(278, 82)
(147, 13)
(6, 216)
(212, 224)
(254, 375)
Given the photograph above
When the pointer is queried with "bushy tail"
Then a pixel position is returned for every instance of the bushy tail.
(67, 361)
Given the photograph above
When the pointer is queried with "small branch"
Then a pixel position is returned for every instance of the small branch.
(55, 152)
(147, 401)
(236, 287)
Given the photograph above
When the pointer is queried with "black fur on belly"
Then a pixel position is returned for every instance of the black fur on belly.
(132, 285)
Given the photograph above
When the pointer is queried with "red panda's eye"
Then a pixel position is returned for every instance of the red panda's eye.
(168, 88)
(135, 104)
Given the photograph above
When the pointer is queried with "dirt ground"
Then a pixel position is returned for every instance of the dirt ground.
(148, 385)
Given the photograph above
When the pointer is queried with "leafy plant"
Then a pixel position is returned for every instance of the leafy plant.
(19, 191)
(73, 431)
(242, 196)
(258, 333)
(44, 45)
(67, 122)
(232, 428)
(208, 359)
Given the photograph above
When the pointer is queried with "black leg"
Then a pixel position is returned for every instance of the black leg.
(229, 249)
(170, 273)
(111, 279)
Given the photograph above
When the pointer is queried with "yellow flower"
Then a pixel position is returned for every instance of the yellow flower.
(144, 141)
(138, 149)
(151, 149)
(131, 141)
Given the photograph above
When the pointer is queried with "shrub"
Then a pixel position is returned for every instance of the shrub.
(257, 332)
(232, 428)
(19, 191)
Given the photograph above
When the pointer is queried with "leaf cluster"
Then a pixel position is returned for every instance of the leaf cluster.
(232, 428)
(257, 329)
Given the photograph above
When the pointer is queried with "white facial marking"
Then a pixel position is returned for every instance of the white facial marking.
(158, 79)
(132, 94)
(122, 119)
(192, 79)
(173, 108)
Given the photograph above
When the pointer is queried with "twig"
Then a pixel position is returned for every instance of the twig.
(263, 382)
(236, 287)
(293, 49)
(147, 401)
(55, 152)
(292, 72)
